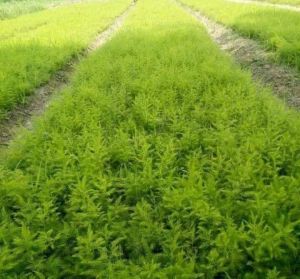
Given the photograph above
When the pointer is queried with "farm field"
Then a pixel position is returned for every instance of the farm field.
(277, 29)
(34, 46)
(161, 158)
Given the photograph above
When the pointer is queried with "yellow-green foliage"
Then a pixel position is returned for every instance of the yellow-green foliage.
(292, 2)
(277, 29)
(34, 46)
(161, 160)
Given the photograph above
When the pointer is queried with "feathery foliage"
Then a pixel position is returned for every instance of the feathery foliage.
(161, 160)
(277, 29)
(291, 2)
(34, 46)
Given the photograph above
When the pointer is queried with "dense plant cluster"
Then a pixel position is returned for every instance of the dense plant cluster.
(292, 2)
(161, 160)
(34, 46)
(277, 29)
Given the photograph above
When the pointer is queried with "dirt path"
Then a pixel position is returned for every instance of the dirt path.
(267, 4)
(22, 115)
(284, 81)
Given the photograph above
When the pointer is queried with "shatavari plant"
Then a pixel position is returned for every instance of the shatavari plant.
(34, 46)
(277, 29)
(162, 159)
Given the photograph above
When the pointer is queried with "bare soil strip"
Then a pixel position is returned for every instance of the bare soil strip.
(284, 81)
(22, 115)
(274, 5)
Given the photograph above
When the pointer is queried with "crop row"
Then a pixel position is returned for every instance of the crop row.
(34, 46)
(161, 160)
(277, 29)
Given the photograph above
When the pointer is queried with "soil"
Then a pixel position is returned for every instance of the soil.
(23, 114)
(284, 81)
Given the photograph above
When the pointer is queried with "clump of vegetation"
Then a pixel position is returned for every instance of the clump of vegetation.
(161, 160)
(291, 2)
(34, 46)
(277, 29)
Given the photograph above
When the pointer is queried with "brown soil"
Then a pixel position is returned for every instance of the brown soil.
(274, 5)
(22, 115)
(284, 80)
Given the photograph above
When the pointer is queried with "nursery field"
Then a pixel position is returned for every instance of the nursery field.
(277, 29)
(34, 46)
(162, 157)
